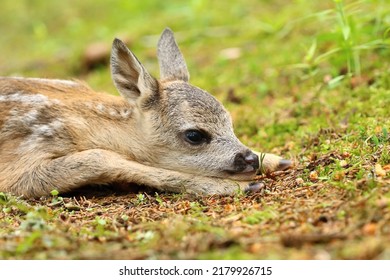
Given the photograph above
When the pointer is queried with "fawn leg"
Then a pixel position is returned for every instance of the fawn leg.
(101, 166)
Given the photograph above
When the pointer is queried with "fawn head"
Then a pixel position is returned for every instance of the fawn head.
(180, 127)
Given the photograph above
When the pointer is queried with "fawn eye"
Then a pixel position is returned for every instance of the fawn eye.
(195, 137)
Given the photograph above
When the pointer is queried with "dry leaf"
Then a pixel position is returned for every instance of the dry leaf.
(313, 176)
(369, 229)
(379, 171)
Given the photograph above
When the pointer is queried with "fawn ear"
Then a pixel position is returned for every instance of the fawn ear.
(172, 63)
(130, 77)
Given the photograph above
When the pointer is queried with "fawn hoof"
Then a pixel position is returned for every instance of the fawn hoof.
(284, 164)
(254, 187)
(270, 163)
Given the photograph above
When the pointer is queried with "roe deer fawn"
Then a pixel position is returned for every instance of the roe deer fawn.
(166, 134)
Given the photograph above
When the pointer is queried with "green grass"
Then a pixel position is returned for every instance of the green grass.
(307, 80)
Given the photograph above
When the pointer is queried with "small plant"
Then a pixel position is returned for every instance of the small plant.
(125, 218)
(347, 43)
(3, 202)
(261, 160)
(379, 137)
(100, 227)
(35, 220)
(145, 236)
(56, 200)
(140, 198)
(100, 221)
(3, 198)
(159, 200)
(9, 204)
(258, 217)
(54, 193)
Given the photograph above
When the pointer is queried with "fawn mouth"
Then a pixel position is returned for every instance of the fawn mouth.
(247, 174)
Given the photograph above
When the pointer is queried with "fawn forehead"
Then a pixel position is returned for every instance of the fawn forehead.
(195, 106)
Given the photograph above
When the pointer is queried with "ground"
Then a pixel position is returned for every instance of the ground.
(305, 80)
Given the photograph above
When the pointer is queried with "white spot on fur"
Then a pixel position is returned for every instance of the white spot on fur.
(47, 129)
(30, 117)
(125, 113)
(100, 107)
(39, 132)
(42, 130)
(33, 99)
(17, 119)
(112, 112)
(49, 81)
(24, 98)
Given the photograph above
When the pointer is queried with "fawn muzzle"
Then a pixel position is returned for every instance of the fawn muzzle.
(247, 162)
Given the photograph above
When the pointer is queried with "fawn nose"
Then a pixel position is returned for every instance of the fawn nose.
(252, 160)
(247, 161)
